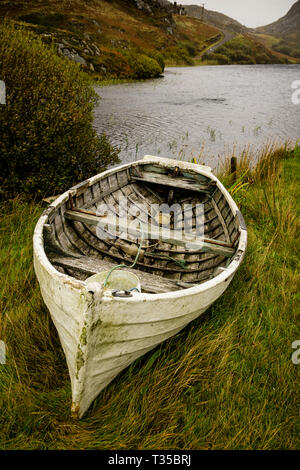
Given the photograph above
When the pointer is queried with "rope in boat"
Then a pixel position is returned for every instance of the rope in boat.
(119, 266)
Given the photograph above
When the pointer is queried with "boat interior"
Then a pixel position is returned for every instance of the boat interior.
(164, 262)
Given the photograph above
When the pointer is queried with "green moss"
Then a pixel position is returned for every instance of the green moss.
(83, 336)
(79, 361)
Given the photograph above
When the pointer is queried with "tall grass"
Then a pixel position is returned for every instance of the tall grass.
(225, 382)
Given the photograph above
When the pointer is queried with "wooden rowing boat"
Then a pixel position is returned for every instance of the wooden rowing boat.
(103, 328)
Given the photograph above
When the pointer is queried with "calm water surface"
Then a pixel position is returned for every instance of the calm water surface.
(201, 112)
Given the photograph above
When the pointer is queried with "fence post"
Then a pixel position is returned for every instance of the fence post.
(233, 167)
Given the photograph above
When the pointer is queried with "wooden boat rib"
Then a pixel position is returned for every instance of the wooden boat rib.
(102, 331)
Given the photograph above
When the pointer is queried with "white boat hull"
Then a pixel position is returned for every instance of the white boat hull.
(101, 335)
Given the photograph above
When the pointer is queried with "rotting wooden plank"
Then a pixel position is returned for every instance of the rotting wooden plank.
(221, 219)
(163, 270)
(90, 266)
(122, 225)
(186, 174)
(175, 182)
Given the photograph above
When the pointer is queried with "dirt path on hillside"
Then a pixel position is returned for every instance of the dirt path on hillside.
(228, 35)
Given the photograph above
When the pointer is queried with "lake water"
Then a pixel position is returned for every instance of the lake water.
(201, 112)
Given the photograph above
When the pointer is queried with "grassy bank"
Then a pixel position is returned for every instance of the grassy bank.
(244, 50)
(225, 382)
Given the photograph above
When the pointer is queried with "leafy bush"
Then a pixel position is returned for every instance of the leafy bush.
(283, 48)
(220, 58)
(263, 58)
(128, 64)
(47, 141)
(55, 20)
(158, 57)
(178, 54)
(296, 53)
(112, 64)
(192, 51)
(239, 56)
(143, 66)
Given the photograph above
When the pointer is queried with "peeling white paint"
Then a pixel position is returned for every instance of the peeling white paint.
(100, 334)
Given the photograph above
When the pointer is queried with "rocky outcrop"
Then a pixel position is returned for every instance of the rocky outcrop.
(74, 48)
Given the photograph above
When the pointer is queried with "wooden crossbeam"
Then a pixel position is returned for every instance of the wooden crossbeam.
(88, 266)
(175, 182)
(174, 237)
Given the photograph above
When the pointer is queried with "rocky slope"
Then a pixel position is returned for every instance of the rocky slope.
(288, 25)
(115, 39)
(284, 34)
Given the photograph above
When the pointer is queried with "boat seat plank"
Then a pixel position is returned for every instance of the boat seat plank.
(122, 225)
(89, 266)
(174, 182)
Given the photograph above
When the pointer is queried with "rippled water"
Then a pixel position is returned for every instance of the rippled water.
(200, 112)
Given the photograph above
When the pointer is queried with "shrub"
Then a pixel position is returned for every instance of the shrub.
(283, 48)
(47, 141)
(238, 56)
(158, 57)
(192, 51)
(143, 66)
(112, 64)
(262, 58)
(296, 53)
(178, 55)
(55, 20)
(220, 58)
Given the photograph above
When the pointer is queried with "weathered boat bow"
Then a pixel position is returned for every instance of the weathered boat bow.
(102, 332)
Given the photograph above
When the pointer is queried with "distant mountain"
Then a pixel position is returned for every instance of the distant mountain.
(284, 34)
(288, 25)
(215, 18)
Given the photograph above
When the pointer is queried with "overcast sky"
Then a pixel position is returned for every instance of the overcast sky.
(251, 13)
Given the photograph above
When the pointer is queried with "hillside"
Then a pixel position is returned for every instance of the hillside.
(288, 25)
(219, 20)
(284, 34)
(115, 39)
(135, 39)
(245, 48)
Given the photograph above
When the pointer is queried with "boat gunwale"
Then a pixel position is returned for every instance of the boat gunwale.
(228, 272)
